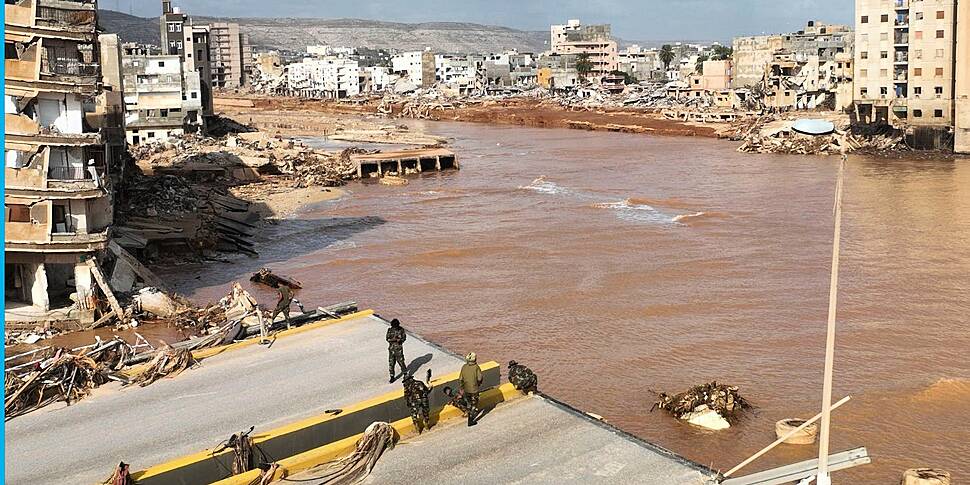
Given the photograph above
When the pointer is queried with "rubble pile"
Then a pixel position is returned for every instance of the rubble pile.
(774, 134)
(162, 195)
(725, 400)
(45, 375)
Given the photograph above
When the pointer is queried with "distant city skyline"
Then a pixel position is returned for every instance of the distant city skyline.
(645, 20)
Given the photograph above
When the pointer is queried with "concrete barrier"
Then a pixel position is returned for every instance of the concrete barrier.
(403, 427)
(304, 436)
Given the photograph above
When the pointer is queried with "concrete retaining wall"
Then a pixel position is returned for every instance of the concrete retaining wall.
(305, 435)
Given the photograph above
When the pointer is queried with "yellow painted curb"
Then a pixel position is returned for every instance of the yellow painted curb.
(305, 423)
(404, 427)
(211, 352)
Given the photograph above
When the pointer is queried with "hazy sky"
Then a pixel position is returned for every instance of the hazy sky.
(632, 20)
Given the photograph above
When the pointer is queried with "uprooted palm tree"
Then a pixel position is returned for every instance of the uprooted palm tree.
(666, 55)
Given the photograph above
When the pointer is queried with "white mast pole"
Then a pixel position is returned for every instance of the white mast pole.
(823, 477)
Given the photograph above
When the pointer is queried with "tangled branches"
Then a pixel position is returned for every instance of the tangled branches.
(168, 362)
(723, 399)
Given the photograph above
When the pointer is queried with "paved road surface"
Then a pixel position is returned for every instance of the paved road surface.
(529, 441)
(300, 376)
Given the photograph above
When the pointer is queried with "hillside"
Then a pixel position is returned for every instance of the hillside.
(295, 34)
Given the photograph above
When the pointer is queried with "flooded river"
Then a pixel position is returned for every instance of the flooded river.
(614, 265)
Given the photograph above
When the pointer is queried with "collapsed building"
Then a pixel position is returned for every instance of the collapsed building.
(818, 39)
(64, 147)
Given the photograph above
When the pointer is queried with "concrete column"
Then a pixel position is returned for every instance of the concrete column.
(961, 94)
(83, 282)
(38, 288)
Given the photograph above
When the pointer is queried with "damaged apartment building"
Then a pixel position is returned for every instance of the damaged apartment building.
(162, 99)
(594, 41)
(808, 69)
(913, 69)
(64, 145)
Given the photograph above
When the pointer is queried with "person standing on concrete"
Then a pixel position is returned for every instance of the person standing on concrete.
(522, 377)
(471, 382)
(416, 396)
(395, 349)
(283, 304)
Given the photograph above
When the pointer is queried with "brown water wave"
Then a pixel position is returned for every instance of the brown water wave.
(560, 249)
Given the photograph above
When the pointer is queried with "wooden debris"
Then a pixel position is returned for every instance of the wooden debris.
(723, 399)
(267, 277)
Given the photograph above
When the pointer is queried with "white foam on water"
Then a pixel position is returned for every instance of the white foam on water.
(543, 186)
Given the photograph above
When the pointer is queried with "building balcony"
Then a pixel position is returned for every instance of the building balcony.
(70, 68)
(65, 242)
(62, 19)
(902, 4)
(136, 122)
(21, 129)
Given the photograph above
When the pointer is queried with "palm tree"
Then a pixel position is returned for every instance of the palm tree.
(699, 66)
(666, 55)
(583, 65)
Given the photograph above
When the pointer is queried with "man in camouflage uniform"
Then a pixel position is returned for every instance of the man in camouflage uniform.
(522, 377)
(456, 400)
(416, 397)
(395, 349)
(471, 382)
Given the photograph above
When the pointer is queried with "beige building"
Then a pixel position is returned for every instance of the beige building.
(817, 39)
(231, 55)
(596, 41)
(905, 63)
(962, 94)
(61, 149)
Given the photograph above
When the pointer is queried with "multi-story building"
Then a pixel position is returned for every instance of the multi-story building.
(642, 64)
(58, 170)
(962, 94)
(179, 37)
(905, 65)
(594, 41)
(417, 66)
(329, 77)
(160, 100)
(753, 53)
(231, 55)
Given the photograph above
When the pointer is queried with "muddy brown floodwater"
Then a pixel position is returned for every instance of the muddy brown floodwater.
(617, 264)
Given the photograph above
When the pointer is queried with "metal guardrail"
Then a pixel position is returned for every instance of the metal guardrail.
(68, 173)
(71, 67)
(801, 470)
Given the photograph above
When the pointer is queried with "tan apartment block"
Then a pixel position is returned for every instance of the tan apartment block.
(595, 41)
(60, 151)
(231, 55)
(751, 55)
(962, 92)
(905, 62)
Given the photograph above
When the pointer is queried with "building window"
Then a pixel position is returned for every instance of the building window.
(939, 34)
(863, 73)
(938, 113)
(884, 36)
(151, 134)
(938, 90)
(918, 15)
(18, 213)
(864, 55)
(865, 38)
(864, 92)
(883, 73)
(883, 90)
(884, 18)
(195, 95)
(939, 72)
(917, 113)
(161, 63)
(940, 14)
(939, 53)
(918, 54)
(884, 55)
(918, 90)
(865, 19)
(917, 72)
(919, 34)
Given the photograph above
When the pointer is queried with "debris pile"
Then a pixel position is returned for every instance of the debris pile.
(44, 375)
(725, 400)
